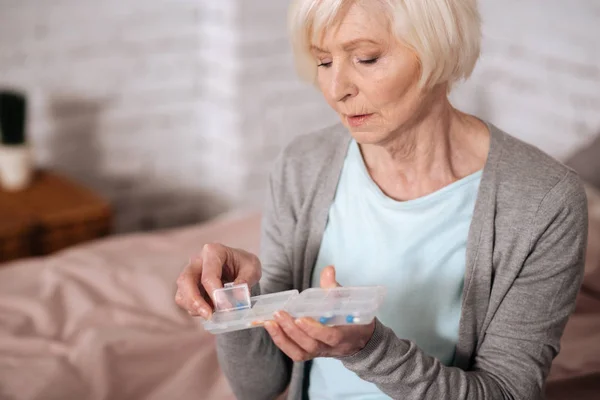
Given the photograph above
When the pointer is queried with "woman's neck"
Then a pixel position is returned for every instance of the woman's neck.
(441, 147)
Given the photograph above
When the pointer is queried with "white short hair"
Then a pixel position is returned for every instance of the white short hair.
(445, 34)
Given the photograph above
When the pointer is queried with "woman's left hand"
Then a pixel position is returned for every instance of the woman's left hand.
(304, 338)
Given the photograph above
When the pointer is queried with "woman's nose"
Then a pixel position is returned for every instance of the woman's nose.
(342, 87)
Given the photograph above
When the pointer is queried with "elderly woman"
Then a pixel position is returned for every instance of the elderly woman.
(479, 237)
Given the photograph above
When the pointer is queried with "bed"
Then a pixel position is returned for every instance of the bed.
(98, 321)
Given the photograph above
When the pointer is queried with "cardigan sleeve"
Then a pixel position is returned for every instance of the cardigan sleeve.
(253, 365)
(516, 352)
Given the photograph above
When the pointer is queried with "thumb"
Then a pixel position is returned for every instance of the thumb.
(328, 278)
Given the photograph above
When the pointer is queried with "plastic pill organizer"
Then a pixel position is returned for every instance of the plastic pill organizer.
(236, 310)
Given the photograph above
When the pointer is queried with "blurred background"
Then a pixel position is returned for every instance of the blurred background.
(173, 110)
(148, 114)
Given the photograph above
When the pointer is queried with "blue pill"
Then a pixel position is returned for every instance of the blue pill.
(239, 305)
(349, 319)
(323, 320)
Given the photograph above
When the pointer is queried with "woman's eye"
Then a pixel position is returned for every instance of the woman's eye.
(369, 61)
(324, 64)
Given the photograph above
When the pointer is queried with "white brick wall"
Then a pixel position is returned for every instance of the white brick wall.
(116, 99)
(539, 75)
(174, 109)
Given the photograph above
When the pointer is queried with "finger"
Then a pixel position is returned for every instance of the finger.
(297, 335)
(190, 298)
(330, 336)
(214, 258)
(248, 268)
(179, 300)
(285, 344)
(178, 296)
(328, 278)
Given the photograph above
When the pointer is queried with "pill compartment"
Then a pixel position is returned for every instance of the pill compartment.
(338, 306)
(261, 309)
(232, 297)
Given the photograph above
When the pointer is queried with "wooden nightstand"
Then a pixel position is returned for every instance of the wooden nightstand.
(15, 233)
(51, 214)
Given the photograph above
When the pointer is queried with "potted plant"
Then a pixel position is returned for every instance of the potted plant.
(15, 156)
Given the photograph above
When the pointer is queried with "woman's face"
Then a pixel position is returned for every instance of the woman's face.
(367, 76)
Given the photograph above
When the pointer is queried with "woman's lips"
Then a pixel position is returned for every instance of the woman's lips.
(357, 120)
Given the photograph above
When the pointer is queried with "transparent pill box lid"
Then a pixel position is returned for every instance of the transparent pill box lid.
(261, 309)
(336, 306)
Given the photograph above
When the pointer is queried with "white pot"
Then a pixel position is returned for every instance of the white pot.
(16, 167)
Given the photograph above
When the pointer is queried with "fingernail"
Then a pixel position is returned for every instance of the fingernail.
(307, 322)
(300, 322)
(277, 315)
(270, 327)
(203, 313)
(196, 304)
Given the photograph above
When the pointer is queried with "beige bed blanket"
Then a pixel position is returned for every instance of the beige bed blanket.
(99, 322)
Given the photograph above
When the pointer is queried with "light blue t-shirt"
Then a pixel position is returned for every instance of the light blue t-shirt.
(415, 248)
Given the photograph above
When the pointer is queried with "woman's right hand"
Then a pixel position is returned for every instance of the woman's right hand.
(215, 265)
